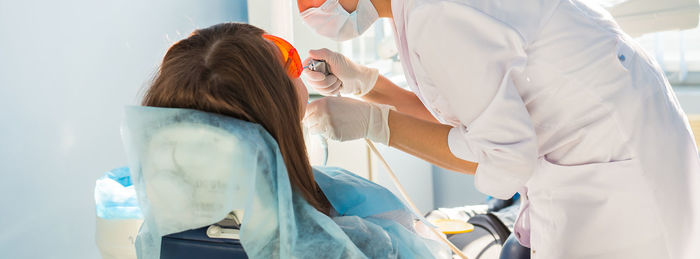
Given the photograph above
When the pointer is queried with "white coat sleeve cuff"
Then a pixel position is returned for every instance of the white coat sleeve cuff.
(487, 180)
(459, 147)
(497, 185)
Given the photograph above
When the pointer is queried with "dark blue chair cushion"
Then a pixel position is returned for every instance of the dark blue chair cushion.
(195, 243)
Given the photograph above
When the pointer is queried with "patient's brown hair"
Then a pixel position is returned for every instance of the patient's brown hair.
(231, 69)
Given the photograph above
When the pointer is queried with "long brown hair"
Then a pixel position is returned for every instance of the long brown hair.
(231, 69)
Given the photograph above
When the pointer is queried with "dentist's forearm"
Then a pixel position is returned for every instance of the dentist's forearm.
(386, 92)
(426, 140)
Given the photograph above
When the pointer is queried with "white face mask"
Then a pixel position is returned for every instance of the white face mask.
(332, 21)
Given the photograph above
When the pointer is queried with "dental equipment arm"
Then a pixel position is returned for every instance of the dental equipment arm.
(432, 144)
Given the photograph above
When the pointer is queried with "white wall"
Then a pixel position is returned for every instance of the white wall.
(689, 97)
(415, 175)
(453, 189)
(66, 70)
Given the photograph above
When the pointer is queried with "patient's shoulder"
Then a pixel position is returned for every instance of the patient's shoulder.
(332, 170)
(350, 194)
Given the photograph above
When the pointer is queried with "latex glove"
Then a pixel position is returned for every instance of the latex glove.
(346, 77)
(343, 119)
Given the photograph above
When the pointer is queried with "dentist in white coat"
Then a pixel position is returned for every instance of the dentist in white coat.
(548, 98)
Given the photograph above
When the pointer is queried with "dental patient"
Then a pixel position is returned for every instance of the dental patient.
(237, 78)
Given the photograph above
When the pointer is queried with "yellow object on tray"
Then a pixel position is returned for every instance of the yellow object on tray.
(452, 226)
(695, 126)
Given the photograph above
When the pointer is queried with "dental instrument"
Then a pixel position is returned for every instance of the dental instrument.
(318, 66)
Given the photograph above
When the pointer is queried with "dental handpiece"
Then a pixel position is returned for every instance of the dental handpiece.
(319, 66)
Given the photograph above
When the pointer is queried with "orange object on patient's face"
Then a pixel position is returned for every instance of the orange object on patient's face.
(290, 56)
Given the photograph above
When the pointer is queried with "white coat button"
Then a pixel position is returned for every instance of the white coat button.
(622, 57)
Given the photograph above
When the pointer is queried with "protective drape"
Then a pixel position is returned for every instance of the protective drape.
(190, 168)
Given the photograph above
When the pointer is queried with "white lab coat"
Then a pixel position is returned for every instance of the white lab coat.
(553, 100)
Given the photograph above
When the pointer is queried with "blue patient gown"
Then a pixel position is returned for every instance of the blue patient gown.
(191, 168)
(377, 222)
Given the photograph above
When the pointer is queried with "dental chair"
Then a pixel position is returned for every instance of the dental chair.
(191, 169)
(183, 174)
(218, 241)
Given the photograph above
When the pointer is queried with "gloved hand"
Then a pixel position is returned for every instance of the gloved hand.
(343, 119)
(346, 77)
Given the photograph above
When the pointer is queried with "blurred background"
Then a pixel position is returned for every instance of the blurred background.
(67, 69)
